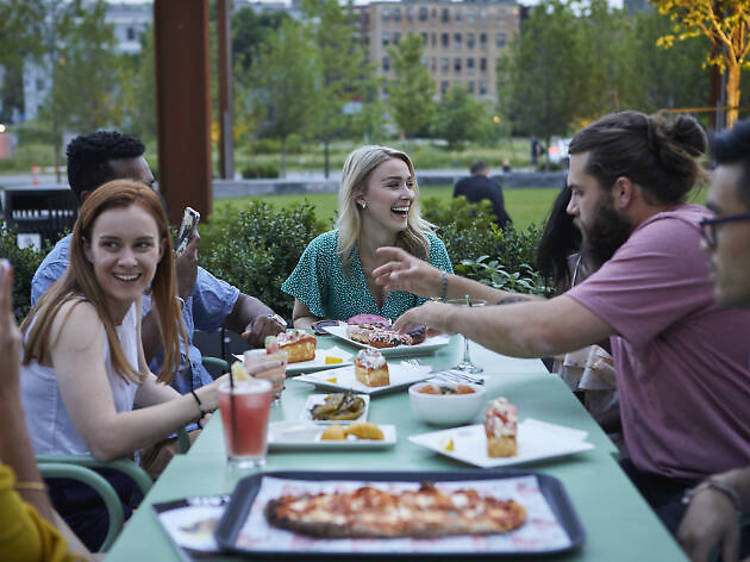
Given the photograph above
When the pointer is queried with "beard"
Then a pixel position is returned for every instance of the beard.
(608, 231)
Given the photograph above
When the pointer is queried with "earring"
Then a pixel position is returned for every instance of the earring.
(363, 204)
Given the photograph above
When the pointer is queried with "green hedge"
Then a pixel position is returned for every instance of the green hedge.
(256, 247)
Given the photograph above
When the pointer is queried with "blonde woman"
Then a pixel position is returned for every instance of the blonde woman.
(378, 206)
(84, 366)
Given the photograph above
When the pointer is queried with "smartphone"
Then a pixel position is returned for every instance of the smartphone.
(188, 227)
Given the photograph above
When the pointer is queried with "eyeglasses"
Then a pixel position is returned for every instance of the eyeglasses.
(708, 227)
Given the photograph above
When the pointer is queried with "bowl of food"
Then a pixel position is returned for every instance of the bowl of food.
(444, 403)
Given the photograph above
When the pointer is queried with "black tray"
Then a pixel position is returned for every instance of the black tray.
(244, 494)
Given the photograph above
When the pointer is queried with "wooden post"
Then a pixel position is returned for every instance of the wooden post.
(226, 132)
(181, 49)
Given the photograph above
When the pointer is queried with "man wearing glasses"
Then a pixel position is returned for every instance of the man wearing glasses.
(716, 503)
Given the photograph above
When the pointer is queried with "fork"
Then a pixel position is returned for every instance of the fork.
(457, 377)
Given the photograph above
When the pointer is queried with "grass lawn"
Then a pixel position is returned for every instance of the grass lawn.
(524, 205)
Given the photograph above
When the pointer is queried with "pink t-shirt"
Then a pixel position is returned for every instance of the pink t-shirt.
(682, 363)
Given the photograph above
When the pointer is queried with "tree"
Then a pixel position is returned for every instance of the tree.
(249, 30)
(460, 117)
(137, 78)
(410, 93)
(543, 84)
(727, 24)
(344, 72)
(280, 83)
(85, 91)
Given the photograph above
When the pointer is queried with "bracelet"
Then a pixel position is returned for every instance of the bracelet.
(31, 486)
(200, 404)
(725, 489)
(443, 286)
(181, 302)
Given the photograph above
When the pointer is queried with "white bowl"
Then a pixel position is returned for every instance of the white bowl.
(446, 409)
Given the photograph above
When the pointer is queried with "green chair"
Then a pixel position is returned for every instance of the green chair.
(80, 467)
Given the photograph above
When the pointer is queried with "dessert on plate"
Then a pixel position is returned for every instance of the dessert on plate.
(501, 427)
(300, 345)
(370, 368)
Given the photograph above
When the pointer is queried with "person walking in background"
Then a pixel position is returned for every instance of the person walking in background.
(378, 206)
(536, 150)
(480, 186)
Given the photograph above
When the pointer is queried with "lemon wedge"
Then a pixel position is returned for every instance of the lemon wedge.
(446, 444)
(238, 372)
(333, 360)
(332, 379)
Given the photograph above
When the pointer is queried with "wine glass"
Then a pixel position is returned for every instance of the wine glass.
(466, 365)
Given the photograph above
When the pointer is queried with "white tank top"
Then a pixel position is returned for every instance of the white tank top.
(50, 426)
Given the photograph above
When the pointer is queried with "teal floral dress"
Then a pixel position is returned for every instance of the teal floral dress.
(320, 283)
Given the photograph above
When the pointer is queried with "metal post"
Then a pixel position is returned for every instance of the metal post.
(226, 134)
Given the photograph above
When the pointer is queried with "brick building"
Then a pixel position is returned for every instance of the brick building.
(462, 40)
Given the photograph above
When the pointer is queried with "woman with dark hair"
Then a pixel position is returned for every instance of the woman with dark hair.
(588, 372)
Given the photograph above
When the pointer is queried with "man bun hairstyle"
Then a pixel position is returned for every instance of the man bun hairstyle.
(89, 156)
(733, 147)
(659, 154)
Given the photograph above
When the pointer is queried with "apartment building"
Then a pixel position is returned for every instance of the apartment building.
(462, 40)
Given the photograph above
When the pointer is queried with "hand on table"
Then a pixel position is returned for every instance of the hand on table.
(433, 315)
(405, 272)
(262, 326)
(710, 521)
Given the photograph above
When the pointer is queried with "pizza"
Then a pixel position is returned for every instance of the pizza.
(368, 512)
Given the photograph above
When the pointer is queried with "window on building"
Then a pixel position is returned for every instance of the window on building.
(445, 40)
(457, 40)
(130, 33)
(445, 15)
(366, 40)
(443, 86)
(386, 64)
(445, 65)
(482, 87)
(483, 65)
(470, 16)
(483, 41)
(457, 65)
(470, 66)
(397, 15)
(470, 85)
(434, 13)
(500, 40)
(483, 15)
(385, 14)
(409, 14)
(396, 37)
(423, 13)
(424, 38)
(457, 15)
(386, 38)
(433, 39)
(433, 65)
(469, 40)
(39, 84)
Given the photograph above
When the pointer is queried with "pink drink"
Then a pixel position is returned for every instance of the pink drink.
(246, 435)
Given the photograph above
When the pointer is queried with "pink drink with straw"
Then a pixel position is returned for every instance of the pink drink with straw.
(246, 436)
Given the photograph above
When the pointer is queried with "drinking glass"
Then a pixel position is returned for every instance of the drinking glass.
(276, 376)
(466, 365)
(244, 413)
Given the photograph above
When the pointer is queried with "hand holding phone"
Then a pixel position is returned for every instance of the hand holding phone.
(188, 227)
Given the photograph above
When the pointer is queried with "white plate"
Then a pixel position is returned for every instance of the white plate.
(429, 345)
(306, 435)
(315, 399)
(537, 440)
(317, 364)
(400, 375)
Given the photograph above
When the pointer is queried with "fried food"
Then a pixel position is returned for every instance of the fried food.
(339, 406)
(333, 433)
(365, 430)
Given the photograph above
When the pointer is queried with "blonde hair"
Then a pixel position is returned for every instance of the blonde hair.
(354, 179)
(79, 280)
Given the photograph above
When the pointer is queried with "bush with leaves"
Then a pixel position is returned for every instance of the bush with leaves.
(24, 262)
(491, 272)
(471, 236)
(256, 248)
